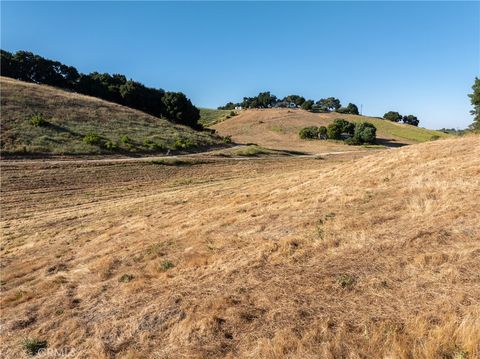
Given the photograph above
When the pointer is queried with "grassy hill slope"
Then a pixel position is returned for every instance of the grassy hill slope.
(278, 129)
(376, 257)
(72, 116)
(210, 117)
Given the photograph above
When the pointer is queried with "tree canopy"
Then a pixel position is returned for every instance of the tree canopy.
(475, 100)
(410, 120)
(329, 104)
(392, 116)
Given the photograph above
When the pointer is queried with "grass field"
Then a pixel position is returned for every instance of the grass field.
(363, 255)
(71, 117)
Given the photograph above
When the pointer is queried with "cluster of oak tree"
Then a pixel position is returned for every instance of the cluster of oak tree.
(267, 100)
(352, 133)
(174, 106)
(396, 117)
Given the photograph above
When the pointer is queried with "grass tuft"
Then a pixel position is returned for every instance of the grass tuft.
(33, 346)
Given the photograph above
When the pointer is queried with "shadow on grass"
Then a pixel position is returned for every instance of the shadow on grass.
(390, 143)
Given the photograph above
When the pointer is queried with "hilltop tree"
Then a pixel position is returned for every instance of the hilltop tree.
(475, 100)
(297, 100)
(150, 100)
(411, 120)
(262, 100)
(307, 105)
(179, 109)
(228, 106)
(6, 66)
(392, 116)
(329, 104)
(104, 86)
(351, 109)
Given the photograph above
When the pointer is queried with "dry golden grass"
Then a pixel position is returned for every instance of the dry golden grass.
(371, 257)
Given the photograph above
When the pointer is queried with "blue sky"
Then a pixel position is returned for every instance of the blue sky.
(412, 57)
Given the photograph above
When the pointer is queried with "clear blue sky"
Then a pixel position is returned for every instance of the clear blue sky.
(418, 58)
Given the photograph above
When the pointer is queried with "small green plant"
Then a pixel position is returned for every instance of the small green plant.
(166, 265)
(91, 138)
(227, 139)
(38, 120)
(151, 144)
(110, 145)
(125, 139)
(232, 114)
(434, 138)
(33, 346)
(345, 280)
(126, 278)
(183, 144)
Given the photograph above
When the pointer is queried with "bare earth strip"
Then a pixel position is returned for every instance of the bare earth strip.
(373, 256)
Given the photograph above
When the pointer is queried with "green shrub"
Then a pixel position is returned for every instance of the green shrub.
(91, 138)
(227, 139)
(166, 265)
(345, 280)
(309, 133)
(232, 114)
(126, 278)
(183, 144)
(345, 126)
(353, 141)
(152, 145)
(34, 346)
(434, 137)
(38, 120)
(110, 145)
(334, 132)
(125, 139)
(322, 133)
(365, 133)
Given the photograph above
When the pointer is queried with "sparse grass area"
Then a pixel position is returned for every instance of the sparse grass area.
(42, 119)
(209, 117)
(252, 150)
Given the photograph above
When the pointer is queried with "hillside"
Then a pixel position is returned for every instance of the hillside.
(370, 257)
(278, 129)
(72, 116)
